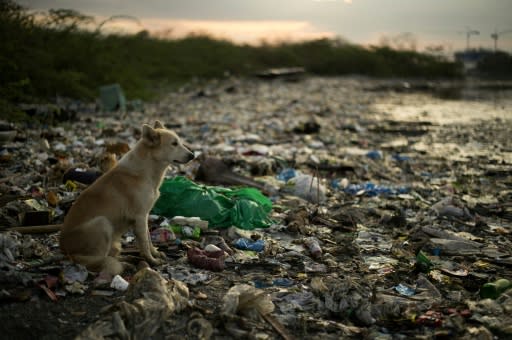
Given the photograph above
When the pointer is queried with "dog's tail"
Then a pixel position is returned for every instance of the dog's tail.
(107, 264)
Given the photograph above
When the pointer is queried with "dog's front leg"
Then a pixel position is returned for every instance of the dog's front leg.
(145, 246)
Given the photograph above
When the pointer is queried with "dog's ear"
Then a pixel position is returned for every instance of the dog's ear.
(159, 125)
(150, 136)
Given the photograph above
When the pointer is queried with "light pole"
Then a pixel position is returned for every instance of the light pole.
(469, 33)
(495, 36)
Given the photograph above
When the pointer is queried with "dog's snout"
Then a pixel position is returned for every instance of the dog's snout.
(191, 155)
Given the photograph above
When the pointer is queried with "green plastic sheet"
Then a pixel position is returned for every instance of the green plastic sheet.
(245, 208)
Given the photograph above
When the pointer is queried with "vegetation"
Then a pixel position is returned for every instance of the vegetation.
(55, 55)
(495, 65)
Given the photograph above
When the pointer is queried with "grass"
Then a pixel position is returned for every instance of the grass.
(40, 59)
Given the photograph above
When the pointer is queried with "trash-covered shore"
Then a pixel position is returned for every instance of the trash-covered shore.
(373, 211)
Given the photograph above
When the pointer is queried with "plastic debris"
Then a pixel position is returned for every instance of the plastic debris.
(119, 283)
(246, 244)
(112, 98)
(314, 247)
(205, 259)
(189, 221)
(247, 301)
(405, 290)
(430, 319)
(307, 187)
(374, 154)
(414, 244)
(149, 292)
(492, 290)
(190, 276)
(74, 273)
(84, 176)
(246, 208)
(161, 235)
(371, 189)
(9, 247)
(287, 174)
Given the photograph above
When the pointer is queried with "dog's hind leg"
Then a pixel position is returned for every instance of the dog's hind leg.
(106, 264)
(92, 244)
(112, 266)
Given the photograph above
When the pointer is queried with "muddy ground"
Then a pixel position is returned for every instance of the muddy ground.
(406, 258)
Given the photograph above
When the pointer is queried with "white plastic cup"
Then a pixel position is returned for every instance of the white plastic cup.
(119, 283)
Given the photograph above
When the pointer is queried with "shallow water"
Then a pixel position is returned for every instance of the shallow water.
(424, 107)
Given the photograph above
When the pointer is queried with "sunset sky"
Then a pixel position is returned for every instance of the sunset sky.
(411, 22)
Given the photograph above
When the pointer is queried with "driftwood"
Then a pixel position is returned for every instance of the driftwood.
(36, 229)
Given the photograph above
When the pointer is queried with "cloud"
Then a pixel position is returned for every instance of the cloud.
(345, 1)
(239, 31)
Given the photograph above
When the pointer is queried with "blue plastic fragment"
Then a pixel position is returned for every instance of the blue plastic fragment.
(371, 189)
(246, 244)
(286, 174)
(279, 282)
(261, 284)
(400, 158)
(283, 282)
(374, 154)
(405, 290)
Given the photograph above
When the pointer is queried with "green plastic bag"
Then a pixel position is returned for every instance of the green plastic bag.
(245, 208)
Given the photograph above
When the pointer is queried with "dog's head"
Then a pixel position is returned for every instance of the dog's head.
(165, 145)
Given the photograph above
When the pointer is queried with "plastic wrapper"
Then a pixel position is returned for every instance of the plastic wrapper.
(248, 301)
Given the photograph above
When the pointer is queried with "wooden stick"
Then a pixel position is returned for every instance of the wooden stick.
(37, 229)
(277, 326)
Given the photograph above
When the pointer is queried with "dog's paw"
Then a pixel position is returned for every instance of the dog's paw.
(158, 254)
(156, 261)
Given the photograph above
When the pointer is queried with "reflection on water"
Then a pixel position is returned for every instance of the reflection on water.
(470, 89)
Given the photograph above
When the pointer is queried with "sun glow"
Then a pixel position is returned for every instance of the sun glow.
(252, 32)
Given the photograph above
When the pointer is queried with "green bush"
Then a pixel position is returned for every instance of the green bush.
(54, 56)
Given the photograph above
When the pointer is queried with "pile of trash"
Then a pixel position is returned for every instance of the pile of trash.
(309, 211)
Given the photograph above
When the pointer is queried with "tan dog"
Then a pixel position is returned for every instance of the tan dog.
(120, 201)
